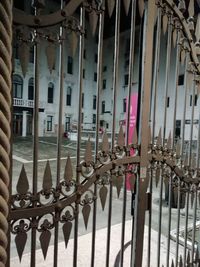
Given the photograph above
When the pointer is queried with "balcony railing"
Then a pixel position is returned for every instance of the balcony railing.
(19, 102)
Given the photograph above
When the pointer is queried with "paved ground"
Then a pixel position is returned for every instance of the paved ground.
(22, 154)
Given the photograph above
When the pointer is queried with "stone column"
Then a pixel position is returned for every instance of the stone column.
(24, 123)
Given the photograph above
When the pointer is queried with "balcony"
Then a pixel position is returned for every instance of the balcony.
(19, 102)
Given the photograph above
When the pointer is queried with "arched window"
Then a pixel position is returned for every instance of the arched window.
(17, 86)
(31, 89)
(69, 96)
(50, 92)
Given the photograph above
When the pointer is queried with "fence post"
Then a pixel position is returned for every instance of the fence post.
(147, 57)
(5, 118)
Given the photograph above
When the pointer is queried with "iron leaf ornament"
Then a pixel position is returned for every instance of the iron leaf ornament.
(86, 213)
(67, 227)
(120, 139)
(51, 56)
(68, 173)
(103, 196)
(110, 5)
(21, 238)
(73, 41)
(105, 143)
(141, 7)
(45, 238)
(127, 6)
(93, 20)
(47, 178)
(191, 8)
(22, 184)
(88, 152)
(24, 50)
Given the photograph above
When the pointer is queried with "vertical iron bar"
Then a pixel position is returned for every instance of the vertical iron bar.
(198, 140)
(115, 87)
(169, 218)
(99, 86)
(191, 126)
(167, 73)
(178, 223)
(81, 49)
(35, 142)
(130, 78)
(184, 105)
(194, 224)
(186, 226)
(59, 136)
(155, 87)
(140, 201)
(173, 144)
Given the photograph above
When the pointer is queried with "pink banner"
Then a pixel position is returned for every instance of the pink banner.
(132, 125)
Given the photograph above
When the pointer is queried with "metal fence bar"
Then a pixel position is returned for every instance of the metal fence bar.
(35, 140)
(5, 120)
(81, 51)
(115, 87)
(186, 227)
(60, 131)
(173, 142)
(167, 73)
(184, 104)
(149, 14)
(130, 79)
(178, 222)
(194, 223)
(169, 218)
(155, 89)
(191, 122)
(99, 87)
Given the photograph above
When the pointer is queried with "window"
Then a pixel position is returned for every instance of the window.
(195, 100)
(82, 100)
(17, 86)
(82, 117)
(31, 89)
(84, 54)
(94, 118)
(83, 73)
(124, 105)
(103, 107)
(126, 79)
(69, 96)
(181, 79)
(95, 58)
(104, 84)
(50, 93)
(94, 102)
(95, 76)
(104, 68)
(49, 123)
(31, 55)
(168, 100)
(70, 65)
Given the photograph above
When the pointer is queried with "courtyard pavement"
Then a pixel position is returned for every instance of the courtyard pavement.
(22, 155)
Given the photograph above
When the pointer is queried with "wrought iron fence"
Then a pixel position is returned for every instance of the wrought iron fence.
(151, 162)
